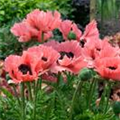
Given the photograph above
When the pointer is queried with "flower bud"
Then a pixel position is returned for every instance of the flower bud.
(71, 36)
(86, 74)
(116, 107)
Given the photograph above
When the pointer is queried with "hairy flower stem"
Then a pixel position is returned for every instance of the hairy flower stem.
(59, 78)
(78, 89)
(35, 97)
(101, 104)
(105, 93)
(108, 90)
(90, 93)
(23, 100)
(29, 90)
(16, 94)
(36, 88)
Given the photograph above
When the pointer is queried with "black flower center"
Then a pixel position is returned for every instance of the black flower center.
(93, 56)
(112, 68)
(44, 59)
(82, 43)
(24, 69)
(68, 54)
(98, 49)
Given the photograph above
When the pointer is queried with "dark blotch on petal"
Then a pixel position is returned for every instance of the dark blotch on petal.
(25, 68)
(112, 68)
(98, 49)
(62, 54)
(12, 72)
(82, 43)
(68, 54)
(44, 58)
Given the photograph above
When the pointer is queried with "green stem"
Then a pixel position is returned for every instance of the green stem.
(55, 102)
(29, 90)
(102, 101)
(35, 97)
(90, 93)
(23, 100)
(16, 94)
(58, 80)
(108, 96)
(36, 88)
(79, 86)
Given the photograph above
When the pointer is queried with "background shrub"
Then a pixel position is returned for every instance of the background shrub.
(10, 9)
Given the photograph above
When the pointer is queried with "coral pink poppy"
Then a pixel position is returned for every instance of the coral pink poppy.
(44, 21)
(20, 68)
(99, 49)
(48, 57)
(71, 58)
(68, 26)
(87, 53)
(24, 31)
(91, 31)
(33, 62)
(106, 50)
(108, 67)
(91, 34)
(36, 25)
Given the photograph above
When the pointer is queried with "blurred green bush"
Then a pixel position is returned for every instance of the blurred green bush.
(10, 9)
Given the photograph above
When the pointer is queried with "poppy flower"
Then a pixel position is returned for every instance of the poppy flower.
(33, 62)
(44, 21)
(38, 24)
(67, 27)
(70, 59)
(20, 69)
(91, 34)
(108, 67)
(91, 31)
(99, 49)
(103, 49)
(48, 56)
(24, 31)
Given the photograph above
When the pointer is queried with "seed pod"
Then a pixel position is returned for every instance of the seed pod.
(116, 108)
